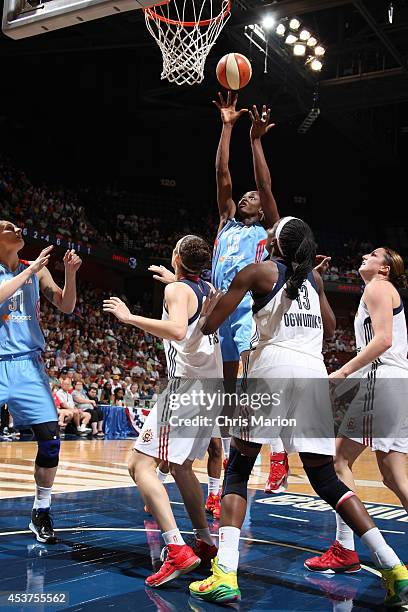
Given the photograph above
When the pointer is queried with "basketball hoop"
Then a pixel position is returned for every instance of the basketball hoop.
(185, 31)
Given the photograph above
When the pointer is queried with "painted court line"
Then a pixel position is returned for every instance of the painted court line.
(139, 529)
(289, 518)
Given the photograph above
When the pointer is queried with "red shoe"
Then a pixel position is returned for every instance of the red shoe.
(278, 473)
(212, 503)
(205, 552)
(336, 560)
(180, 560)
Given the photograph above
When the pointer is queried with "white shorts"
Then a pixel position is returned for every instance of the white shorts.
(171, 434)
(300, 383)
(378, 415)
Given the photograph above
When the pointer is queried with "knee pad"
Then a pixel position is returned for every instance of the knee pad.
(236, 477)
(327, 485)
(48, 440)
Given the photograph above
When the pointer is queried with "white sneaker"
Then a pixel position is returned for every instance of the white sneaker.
(83, 429)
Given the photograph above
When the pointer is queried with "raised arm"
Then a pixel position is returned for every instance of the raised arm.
(9, 287)
(229, 116)
(261, 126)
(64, 299)
(176, 296)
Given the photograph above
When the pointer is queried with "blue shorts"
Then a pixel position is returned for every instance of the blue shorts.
(25, 388)
(237, 331)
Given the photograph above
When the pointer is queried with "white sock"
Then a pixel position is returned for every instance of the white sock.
(162, 476)
(344, 534)
(42, 497)
(228, 554)
(226, 443)
(204, 535)
(173, 537)
(382, 554)
(213, 485)
(277, 446)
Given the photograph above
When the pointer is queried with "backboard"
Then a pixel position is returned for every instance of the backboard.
(23, 18)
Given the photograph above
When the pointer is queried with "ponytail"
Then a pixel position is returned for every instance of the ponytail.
(397, 274)
(298, 248)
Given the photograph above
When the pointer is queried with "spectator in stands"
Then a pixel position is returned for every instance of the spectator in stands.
(65, 415)
(61, 360)
(132, 395)
(116, 384)
(137, 370)
(106, 393)
(119, 397)
(84, 405)
(67, 403)
(96, 413)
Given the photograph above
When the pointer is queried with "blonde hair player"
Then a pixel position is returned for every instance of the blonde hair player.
(190, 356)
(292, 314)
(380, 406)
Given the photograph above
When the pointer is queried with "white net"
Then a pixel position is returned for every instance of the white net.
(185, 31)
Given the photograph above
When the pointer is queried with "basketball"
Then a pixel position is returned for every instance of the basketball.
(234, 71)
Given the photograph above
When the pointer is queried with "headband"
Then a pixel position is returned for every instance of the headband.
(279, 229)
(182, 263)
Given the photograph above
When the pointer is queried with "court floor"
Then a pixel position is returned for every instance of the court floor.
(108, 545)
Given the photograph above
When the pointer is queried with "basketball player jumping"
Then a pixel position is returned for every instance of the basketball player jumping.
(24, 385)
(241, 240)
(382, 347)
(292, 312)
(190, 357)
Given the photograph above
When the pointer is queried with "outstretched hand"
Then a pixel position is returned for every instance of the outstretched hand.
(162, 274)
(41, 261)
(115, 306)
(260, 123)
(227, 108)
(72, 261)
(323, 264)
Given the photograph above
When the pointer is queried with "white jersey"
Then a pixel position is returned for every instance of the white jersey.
(296, 325)
(196, 356)
(396, 355)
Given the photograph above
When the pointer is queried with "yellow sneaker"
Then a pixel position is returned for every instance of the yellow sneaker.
(220, 587)
(396, 582)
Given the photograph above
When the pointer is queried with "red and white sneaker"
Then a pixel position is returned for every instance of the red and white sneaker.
(205, 551)
(212, 505)
(177, 560)
(336, 560)
(278, 473)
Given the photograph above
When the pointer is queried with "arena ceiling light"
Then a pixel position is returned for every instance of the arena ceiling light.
(294, 24)
(290, 39)
(316, 65)
(268, 22)
(280, 30)
(299, 49)
(293, 33)
(304, 35)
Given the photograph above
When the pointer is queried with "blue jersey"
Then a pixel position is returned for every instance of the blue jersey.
(20, 330)
(236, 246)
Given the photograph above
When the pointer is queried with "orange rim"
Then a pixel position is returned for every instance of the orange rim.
(188, 24)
